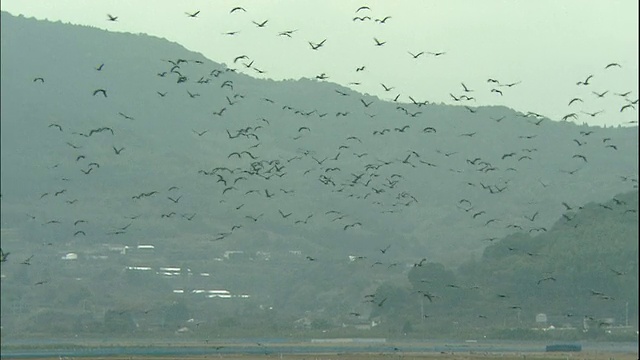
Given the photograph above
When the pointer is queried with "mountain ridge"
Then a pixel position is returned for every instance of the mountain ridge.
(441, 156)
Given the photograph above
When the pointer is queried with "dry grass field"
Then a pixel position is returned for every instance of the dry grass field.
(430, 356)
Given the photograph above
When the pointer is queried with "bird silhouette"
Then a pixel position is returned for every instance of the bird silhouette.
(27, 261)
(262, 24)
(465, 88)
(367, 104)
(378, 42)
(111, 17)
(574, 100)
(195, 14)
(617, 272)
(586, 81)
(4, 256)
(219, 113)
(387, 88)
(98, 91)
(315, 46)
(175, 201)
(287, 33)
(57, 126)
(593, 114)
(533, 217)
(626, 107)
(125, 116)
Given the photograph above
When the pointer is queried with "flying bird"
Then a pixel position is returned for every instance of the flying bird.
(195, 14)
(627, 106)
(386, 88)
(574, 100)
(111, 17)
(102, 91)
(27, 261)
(585, 82)
(511, 84)
(366, 104)
(378, 42)
(580, 156)
(593, 114)
(315, 46)
(56, 125)
(617, 272)
(600, 95)
(262, 24)
(383, 20)
(351, 225)
(124, 116)
(175, 201)
(287, 33)
(533, 217)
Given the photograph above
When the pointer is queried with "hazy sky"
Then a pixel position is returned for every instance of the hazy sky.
(545, 46)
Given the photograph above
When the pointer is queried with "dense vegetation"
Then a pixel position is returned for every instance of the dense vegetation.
(497, 295)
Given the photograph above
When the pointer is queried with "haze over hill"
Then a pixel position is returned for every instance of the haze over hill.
(529, 56)
(122, 140)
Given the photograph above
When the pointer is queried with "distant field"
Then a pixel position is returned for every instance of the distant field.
(456, 356)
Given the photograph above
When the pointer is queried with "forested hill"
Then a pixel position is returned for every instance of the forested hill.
(584, 267)
(243, 153)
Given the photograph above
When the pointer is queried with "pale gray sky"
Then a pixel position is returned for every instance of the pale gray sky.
(546, 46)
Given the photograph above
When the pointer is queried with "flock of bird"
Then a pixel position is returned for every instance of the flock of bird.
(352, 170)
